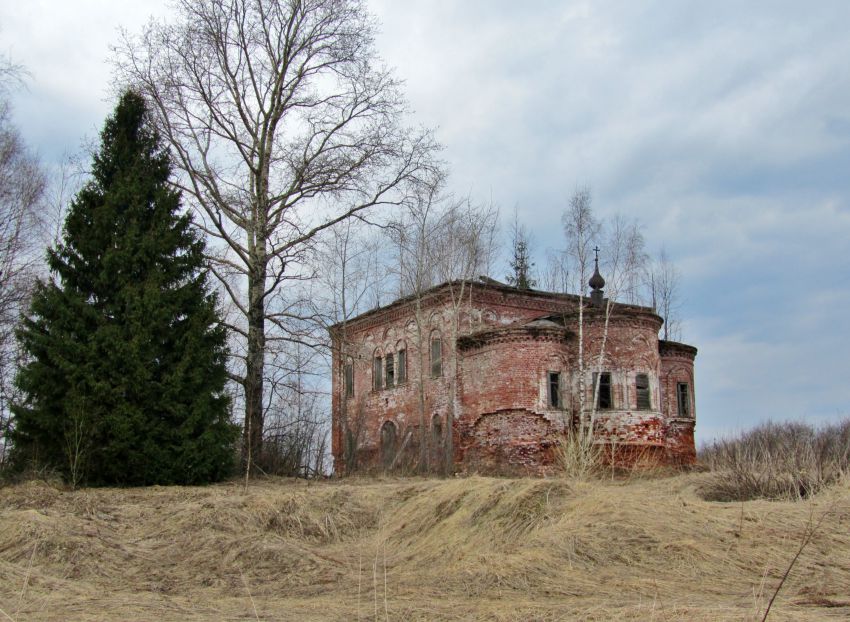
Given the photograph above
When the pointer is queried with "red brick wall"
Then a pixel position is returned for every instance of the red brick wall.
(495, 384)
(677, 366)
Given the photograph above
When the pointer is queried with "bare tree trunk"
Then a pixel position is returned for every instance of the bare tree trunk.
(283, 124)
(424, 445)
(254, 378)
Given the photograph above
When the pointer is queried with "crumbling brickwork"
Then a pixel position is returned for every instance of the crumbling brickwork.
(492, 385)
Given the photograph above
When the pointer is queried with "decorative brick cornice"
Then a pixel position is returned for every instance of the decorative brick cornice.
(674, 349)
(513, 334)
(483, 294)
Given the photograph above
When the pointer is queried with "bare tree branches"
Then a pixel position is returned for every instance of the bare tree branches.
(664, 290)
(284, 125)
(22, 188)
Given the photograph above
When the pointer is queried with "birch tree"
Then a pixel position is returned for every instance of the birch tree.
(465, 248)
(580, 229)
(624, 262)
(22, 189)
(664, 292)
(284, 123)
(350, 278)
(441, 239)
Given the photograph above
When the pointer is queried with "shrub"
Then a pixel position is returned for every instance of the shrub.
(777, 461)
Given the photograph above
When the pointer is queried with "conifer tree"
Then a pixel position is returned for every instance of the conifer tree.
(125, 383)
(520, 264)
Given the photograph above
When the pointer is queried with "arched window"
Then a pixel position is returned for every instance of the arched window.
(377, 371)
(683, 399)
(605, 398)
(348, 377)
(401, 362)
(436, 355)
(642, 392)
(388, 444)
(389, 376)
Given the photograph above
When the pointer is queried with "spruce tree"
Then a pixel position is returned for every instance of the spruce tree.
(125, 383)
(520, 264)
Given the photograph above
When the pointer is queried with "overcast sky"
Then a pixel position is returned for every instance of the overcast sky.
(723, 126)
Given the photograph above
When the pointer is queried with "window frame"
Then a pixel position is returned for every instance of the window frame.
(685, 412)
(348, 379)
(645, 390)
(436, 362)
(605, 380)
(553, 384)
(389, 371)
(377, 372)
(401, 372)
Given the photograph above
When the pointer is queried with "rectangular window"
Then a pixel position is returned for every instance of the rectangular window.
(436, 358)
(376, 374)
(349, 380)
(554, 389)
(642, 386)
(390, 376)
(401, 372)
(684, 395)
(604, 400)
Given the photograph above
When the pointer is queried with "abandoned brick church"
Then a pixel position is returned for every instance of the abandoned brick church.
(491, 372)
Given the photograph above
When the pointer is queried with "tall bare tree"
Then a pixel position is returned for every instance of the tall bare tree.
(624, 259)
(581, 228)
(664, 291)
(555, 276)
(22, 189)
(283, 123)
(439, 238)
(465, 247)
(350, 282)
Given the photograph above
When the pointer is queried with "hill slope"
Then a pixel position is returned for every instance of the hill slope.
(477, 548)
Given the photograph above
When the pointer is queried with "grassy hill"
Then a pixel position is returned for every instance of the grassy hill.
(416, 549)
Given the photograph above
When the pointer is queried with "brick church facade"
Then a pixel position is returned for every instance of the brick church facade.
(491, 374)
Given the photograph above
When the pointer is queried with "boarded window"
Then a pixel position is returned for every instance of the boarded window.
(349, 380)
(436, 357)
(376, 374)
(401, 372)
(554, 389)
(388, 444)
(390, 377)
(604, 400)
(642, 386)
(684, 397)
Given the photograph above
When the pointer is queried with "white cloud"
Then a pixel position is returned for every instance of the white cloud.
(724, 127)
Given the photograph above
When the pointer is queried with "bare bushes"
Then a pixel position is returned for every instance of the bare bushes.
(777, 461)
(578, 456)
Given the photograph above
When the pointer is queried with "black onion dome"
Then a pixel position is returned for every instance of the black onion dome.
(596, 281)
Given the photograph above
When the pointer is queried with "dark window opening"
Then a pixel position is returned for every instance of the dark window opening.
(684, 397)
(436, 357)
(376, 374)
(642, 386)
(555, 389)
(349, 380)
(604, 400)
(390, 375)
(401, 372)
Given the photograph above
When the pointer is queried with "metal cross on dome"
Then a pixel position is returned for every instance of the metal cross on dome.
(596, 250)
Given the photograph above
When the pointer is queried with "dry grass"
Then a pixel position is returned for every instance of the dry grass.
(416, 549)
